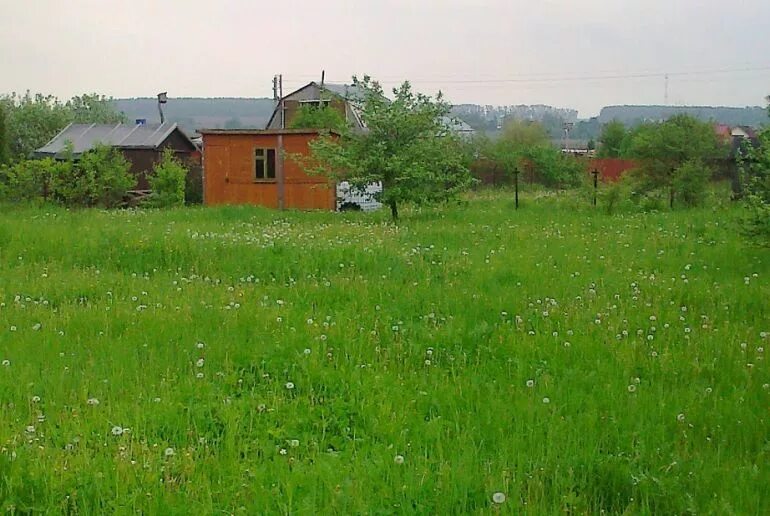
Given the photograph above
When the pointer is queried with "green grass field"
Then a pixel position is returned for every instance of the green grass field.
(240, 360)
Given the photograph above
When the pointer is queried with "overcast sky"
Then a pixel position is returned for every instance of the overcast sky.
(566, 53)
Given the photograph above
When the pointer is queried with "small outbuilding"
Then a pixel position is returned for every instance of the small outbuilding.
(141, 144)
(254, 166)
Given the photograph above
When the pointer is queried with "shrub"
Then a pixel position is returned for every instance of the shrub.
(31, 180)
(690, 182)
(167, 182)
(100, 178)
(755, 167)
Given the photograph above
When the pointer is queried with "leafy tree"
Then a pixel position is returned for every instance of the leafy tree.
(100, 177)
(612, 138)
(32, 180)
(4, 144)
(664, 148)
(406, 147)
(313, 117)
(93, 109)
(521, 134)
(168, 181)
(755, 168)
(33, 120)
(525, 147)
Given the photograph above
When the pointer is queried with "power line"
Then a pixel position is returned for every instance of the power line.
(524, 79)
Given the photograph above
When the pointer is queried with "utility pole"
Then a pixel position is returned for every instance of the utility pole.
(282, 106)
(665, 97)
(567, 128)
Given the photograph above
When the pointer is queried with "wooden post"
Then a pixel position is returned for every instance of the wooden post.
(516, 186)
(596, 183)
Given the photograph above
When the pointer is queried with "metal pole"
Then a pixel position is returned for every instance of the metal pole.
(596, 183)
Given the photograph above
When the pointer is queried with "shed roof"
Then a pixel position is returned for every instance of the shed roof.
(85, 137)
(204, 132)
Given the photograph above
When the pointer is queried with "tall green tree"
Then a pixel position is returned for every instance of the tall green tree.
(611, 140)
(407, 147)
(755, 168)
(526, 147)
(93, 109)
(4, 144)
(666, 147)
(32, 120)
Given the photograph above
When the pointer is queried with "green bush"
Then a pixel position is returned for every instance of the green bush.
(31, 180)
(167, 182)
(100, 178)
(691, 181)
(755, 168)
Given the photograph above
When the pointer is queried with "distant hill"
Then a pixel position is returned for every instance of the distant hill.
(753, 116)
(200, 113)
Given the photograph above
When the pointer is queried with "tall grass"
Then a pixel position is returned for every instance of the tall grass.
(239, 360)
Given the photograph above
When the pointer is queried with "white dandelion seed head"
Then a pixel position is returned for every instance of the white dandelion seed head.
(261, 407)
(680, 418)
(199, 376)
(200, 345)
(530, 383)
(117, 430)
(498, 498)
(35, 399)
(6, 363)
(398, 459)
(30, 429)
(92, 401)
(199, 363)
(289, 385)
(427, 362)
(169, 452)
(546, 400)
(632, 388)
(307, 351)
(294, 443)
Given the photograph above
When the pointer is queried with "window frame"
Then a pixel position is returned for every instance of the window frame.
(266, 161)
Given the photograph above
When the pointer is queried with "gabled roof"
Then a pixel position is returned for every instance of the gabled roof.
(85, 137)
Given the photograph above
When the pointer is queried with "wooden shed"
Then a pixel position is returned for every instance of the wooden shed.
(141, 144)
(250, 166)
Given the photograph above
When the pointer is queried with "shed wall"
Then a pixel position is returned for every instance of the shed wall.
(229, 176)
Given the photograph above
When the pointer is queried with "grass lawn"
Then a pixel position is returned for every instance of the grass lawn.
(240, 360)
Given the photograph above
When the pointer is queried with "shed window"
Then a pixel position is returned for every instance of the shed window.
(264, 164)
(314, 103)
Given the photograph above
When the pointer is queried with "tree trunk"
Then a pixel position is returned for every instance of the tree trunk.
(394, 210)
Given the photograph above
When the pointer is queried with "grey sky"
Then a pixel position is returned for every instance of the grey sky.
(234, 47)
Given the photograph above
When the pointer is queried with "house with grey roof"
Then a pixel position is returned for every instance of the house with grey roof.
(142, 145)
(341, 97)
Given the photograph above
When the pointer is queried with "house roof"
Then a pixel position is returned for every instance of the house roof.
(457, 125)
(85, 137)
(204, 132)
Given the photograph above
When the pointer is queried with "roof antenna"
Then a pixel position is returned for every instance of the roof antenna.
(162, 99)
